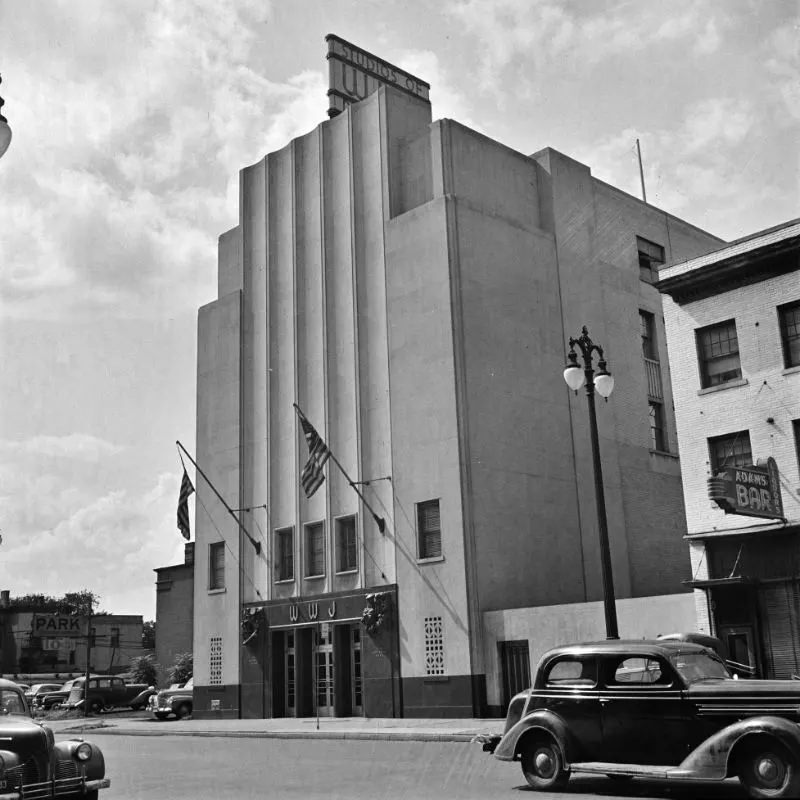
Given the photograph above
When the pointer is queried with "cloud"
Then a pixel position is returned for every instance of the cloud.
(82, 447)
(110, 543)
(122, 173)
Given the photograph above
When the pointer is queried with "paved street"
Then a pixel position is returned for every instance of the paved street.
(196, 768)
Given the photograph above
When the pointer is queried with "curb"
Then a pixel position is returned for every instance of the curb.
(392, 736)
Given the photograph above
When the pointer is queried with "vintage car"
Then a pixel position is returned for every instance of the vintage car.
(177, 701)
(39, 689)
(33, 765)
(654, 709)
(54, 699)
(106, 691)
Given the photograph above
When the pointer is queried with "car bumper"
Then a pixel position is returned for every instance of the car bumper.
(489, 741)
(50, 789)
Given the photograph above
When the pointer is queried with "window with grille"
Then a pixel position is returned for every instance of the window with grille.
(215, 660)
(434, 646)
(315, 550)
(658, 436)
(284, 554)
(346, 549)
(216, 565)
(731, 450)
(651, 257)
(429, 530)
(718, 354)
(789, 316)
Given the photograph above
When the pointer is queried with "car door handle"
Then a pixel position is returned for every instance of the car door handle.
(604, 700)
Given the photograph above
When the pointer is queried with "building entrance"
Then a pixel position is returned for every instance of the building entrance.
(324, 667)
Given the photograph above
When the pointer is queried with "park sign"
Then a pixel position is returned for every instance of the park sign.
(353, 74)
(753, 491)
(57, 625)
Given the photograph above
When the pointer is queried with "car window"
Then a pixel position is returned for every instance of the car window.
(572, 672)
(695, 667)
(11, 702)
(639, 670)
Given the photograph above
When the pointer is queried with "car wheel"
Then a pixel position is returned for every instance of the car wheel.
(95, 707)
(542, 764)
(183, 710)
(767, 770)
(160, 714)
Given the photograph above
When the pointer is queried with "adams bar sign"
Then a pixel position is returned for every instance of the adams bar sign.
(751, 491)
(354, 73)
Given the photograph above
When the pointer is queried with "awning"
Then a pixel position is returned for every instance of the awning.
(710, 583)
(750, 530)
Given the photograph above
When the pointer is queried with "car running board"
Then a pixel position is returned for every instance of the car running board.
(613, 768)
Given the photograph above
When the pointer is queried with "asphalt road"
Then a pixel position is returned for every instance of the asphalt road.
(194, 768)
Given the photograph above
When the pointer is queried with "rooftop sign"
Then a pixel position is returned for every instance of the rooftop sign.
(353, 74)
(750, 491)
(59, 625)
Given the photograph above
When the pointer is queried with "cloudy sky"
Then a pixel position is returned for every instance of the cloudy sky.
(131, 119)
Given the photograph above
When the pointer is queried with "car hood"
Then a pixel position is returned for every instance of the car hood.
(725, 689)
(165, 694)
(21, 734)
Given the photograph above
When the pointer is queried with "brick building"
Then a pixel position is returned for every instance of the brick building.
(174, 611)
(34, 642)
(733, 334)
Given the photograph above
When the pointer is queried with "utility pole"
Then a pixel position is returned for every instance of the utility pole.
(88, 657)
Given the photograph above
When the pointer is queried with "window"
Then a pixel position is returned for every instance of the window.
(346, 550)
(651, 256)
(647, 324)
(216, 565)
(658, 437)
(732, 450)
(796, 427)
(215, 660)
(284, 554)
(429, 529)
(315, 550)
(115, 637)
(718, 353)
(789, 316)
(434, 646)
(572, 672)
(639, 670)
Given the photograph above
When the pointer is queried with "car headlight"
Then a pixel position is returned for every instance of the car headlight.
(83, 752)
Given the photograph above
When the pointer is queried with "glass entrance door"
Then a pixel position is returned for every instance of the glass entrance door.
(290, 668)
(323, 660)
(357, 700)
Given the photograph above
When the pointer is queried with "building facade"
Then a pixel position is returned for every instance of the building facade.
(40, 643)
(174, 611)
(733, 332)
(411, 286)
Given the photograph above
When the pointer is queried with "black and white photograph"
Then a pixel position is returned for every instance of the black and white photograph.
(399, 400)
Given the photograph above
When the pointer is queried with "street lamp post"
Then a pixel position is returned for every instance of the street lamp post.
(603, 382)
(5, 130)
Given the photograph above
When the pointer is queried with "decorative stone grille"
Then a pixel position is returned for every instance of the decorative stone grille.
(215, 661)
(434, 646)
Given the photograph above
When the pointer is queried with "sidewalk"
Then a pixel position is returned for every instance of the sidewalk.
(435, 730)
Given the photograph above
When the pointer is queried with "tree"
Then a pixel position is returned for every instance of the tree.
(182, 669)
(149, 635)
(144, 669)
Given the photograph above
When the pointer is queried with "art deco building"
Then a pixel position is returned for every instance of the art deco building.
(411, 286)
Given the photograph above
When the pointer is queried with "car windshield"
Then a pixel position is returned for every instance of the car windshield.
(11, 702)
(695, 667)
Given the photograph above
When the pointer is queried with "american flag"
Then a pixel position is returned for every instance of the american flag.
(183, 506)
(311, 477)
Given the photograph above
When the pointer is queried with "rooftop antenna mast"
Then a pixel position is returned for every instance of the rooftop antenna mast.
(641, 171)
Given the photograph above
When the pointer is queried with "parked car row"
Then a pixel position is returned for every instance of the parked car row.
(176, 701)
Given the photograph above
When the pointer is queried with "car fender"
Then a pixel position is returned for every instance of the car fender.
(508, 747)
(95, 767)
(10, 759)
(712, 758)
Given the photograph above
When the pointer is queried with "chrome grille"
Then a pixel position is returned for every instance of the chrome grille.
(67, 769)
(25, 773)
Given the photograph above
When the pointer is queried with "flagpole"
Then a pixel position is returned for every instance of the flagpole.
(256, 545)
(381, 523)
